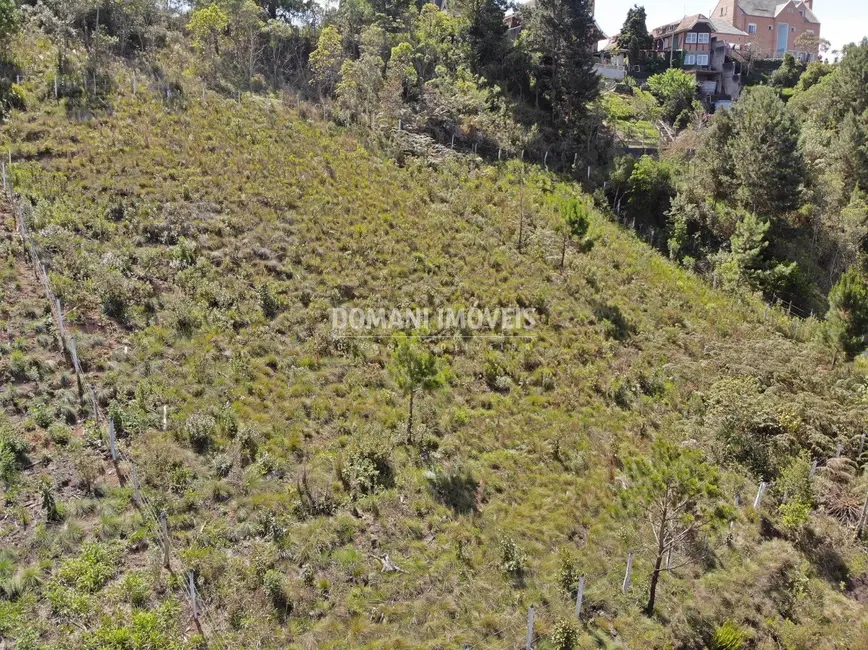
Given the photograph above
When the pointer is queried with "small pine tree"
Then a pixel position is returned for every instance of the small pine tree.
(415, 370)
(574, 223)
(678, 493)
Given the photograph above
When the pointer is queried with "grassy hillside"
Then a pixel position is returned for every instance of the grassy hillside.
(199, 249)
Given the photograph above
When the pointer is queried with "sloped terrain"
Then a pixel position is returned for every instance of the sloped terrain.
(199, 249)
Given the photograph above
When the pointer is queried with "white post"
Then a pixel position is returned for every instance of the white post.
(74, 353)
(626, 586)
(546, 160)
(400, 125)
(164, 530)
(530, 614)
(759, 495)
(165, 413)
(589, 172)
(813, 469)
(56, 90)
(575, 160)
(452, 145)
(135, 85)
(580, 597)
(112, 443)
(498, 154)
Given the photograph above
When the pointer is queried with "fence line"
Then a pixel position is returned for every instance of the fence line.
(68, 348)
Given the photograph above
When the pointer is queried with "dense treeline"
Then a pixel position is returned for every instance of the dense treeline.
(770, 195)
(451, 72)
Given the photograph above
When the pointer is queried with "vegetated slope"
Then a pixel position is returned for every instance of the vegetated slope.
(199, 249)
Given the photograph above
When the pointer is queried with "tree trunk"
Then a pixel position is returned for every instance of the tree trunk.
(661, 549)
(649, 608)
(410, 419)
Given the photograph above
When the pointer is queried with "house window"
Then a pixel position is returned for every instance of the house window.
(701, 59)
(770, 28)
(793, 29)
(723, 11)
(704, 38)
(691, 37)
(690, 59)
(751, 28)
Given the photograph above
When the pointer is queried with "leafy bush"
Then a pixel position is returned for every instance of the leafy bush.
(92, 569)
(13, 455)
(564, 635)
(367, 468)
(274, 585)
(512, 557)
(199, 431)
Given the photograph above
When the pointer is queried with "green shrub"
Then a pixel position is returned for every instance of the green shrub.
(199, 431)
(13, 456)
(367, 468)
(42, 415)
(728, 636)
(274, 585)
(92, 569)
(512, 557)
(269, 304)
(564, 635)
(134, 589)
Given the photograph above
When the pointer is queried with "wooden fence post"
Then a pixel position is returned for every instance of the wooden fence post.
(165, 416)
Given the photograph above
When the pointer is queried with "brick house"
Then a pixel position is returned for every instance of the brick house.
(703, 46)
(773, 26)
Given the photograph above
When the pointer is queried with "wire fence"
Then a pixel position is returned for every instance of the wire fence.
(125, 465)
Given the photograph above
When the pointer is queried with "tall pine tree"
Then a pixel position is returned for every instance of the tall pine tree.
(764, 148)
(560, 36)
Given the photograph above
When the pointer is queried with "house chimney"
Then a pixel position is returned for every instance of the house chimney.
(810, 4)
